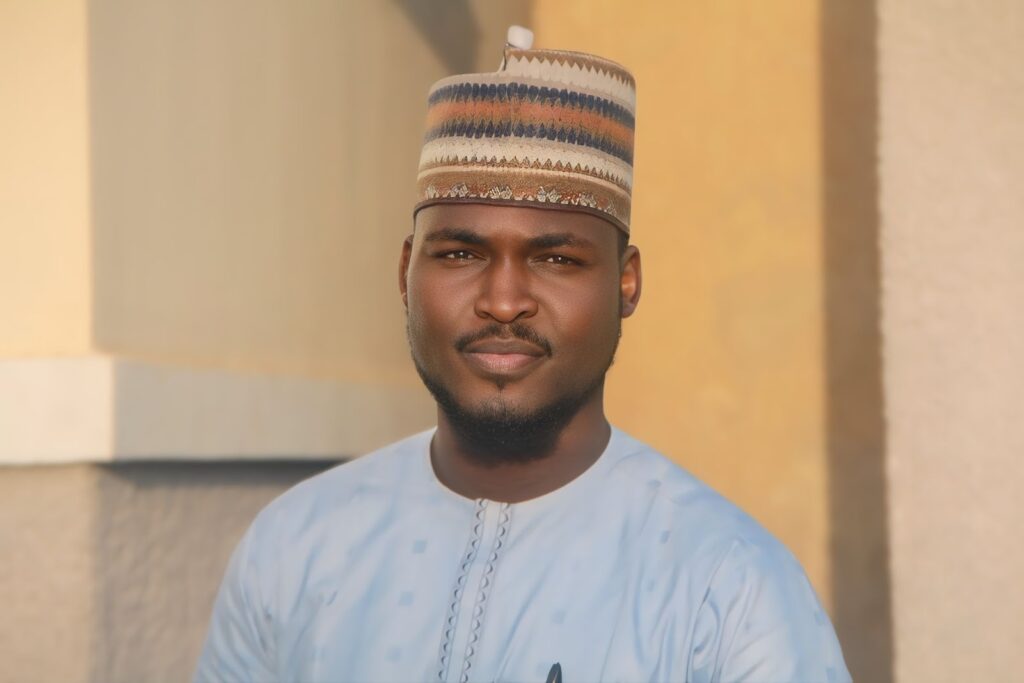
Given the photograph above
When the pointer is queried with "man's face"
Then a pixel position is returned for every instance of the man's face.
(512, 310)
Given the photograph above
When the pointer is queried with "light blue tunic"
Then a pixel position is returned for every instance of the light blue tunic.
(634, 571)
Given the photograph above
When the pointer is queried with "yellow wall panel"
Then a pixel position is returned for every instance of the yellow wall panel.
(722, 367)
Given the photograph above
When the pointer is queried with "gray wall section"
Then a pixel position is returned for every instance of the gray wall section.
(108, 573)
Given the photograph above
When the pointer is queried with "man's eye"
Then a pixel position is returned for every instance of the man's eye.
(458, 255)
(559, 260)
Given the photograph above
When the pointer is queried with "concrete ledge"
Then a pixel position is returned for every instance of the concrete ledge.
(105, 409)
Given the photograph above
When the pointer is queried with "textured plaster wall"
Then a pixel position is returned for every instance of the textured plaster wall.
(108, 573)
(47, 573)
(952, 160)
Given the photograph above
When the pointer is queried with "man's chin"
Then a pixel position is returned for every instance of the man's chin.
(506, 425)
(499, 432)
(499, 410)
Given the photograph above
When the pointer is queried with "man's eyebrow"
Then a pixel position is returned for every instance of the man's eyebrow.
(463, 235)
(553, 240)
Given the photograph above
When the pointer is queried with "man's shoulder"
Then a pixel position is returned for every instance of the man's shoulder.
(689, 522)
(691, 506)
(378, 475)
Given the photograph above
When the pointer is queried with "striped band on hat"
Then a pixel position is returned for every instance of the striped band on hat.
(552, 129)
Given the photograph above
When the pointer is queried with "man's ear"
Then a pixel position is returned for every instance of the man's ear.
(630, 280)
(403, 271)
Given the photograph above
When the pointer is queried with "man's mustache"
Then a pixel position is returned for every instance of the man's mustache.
(504, 331)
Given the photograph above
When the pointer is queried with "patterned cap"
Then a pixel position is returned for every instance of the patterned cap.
(550, 128)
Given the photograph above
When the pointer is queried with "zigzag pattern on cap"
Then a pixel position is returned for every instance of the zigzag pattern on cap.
(553, 128)
(533, 155)
(581, 71)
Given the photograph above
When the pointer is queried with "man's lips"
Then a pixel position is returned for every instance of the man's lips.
(502, 356)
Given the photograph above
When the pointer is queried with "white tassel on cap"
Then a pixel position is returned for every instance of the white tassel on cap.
(520, 37)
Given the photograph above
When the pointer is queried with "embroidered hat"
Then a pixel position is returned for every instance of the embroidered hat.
(550, 128)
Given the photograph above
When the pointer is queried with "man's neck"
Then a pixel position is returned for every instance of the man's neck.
(577, 447)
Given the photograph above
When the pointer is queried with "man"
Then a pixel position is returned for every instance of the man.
(524, 538)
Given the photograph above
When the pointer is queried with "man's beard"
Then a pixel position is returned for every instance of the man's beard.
(498, 433)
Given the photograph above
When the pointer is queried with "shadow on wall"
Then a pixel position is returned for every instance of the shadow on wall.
(855, 402)
(449, 28)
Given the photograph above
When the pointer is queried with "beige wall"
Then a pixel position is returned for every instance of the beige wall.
(721, 368)
(246, 159)
(45, 270)
(952, 160)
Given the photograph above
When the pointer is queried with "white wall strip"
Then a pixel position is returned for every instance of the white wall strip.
(101, 409)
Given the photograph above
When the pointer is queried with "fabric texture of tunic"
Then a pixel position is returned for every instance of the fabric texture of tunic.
(633, 571)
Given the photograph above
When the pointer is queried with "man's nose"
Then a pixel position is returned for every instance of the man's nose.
(505, 292)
